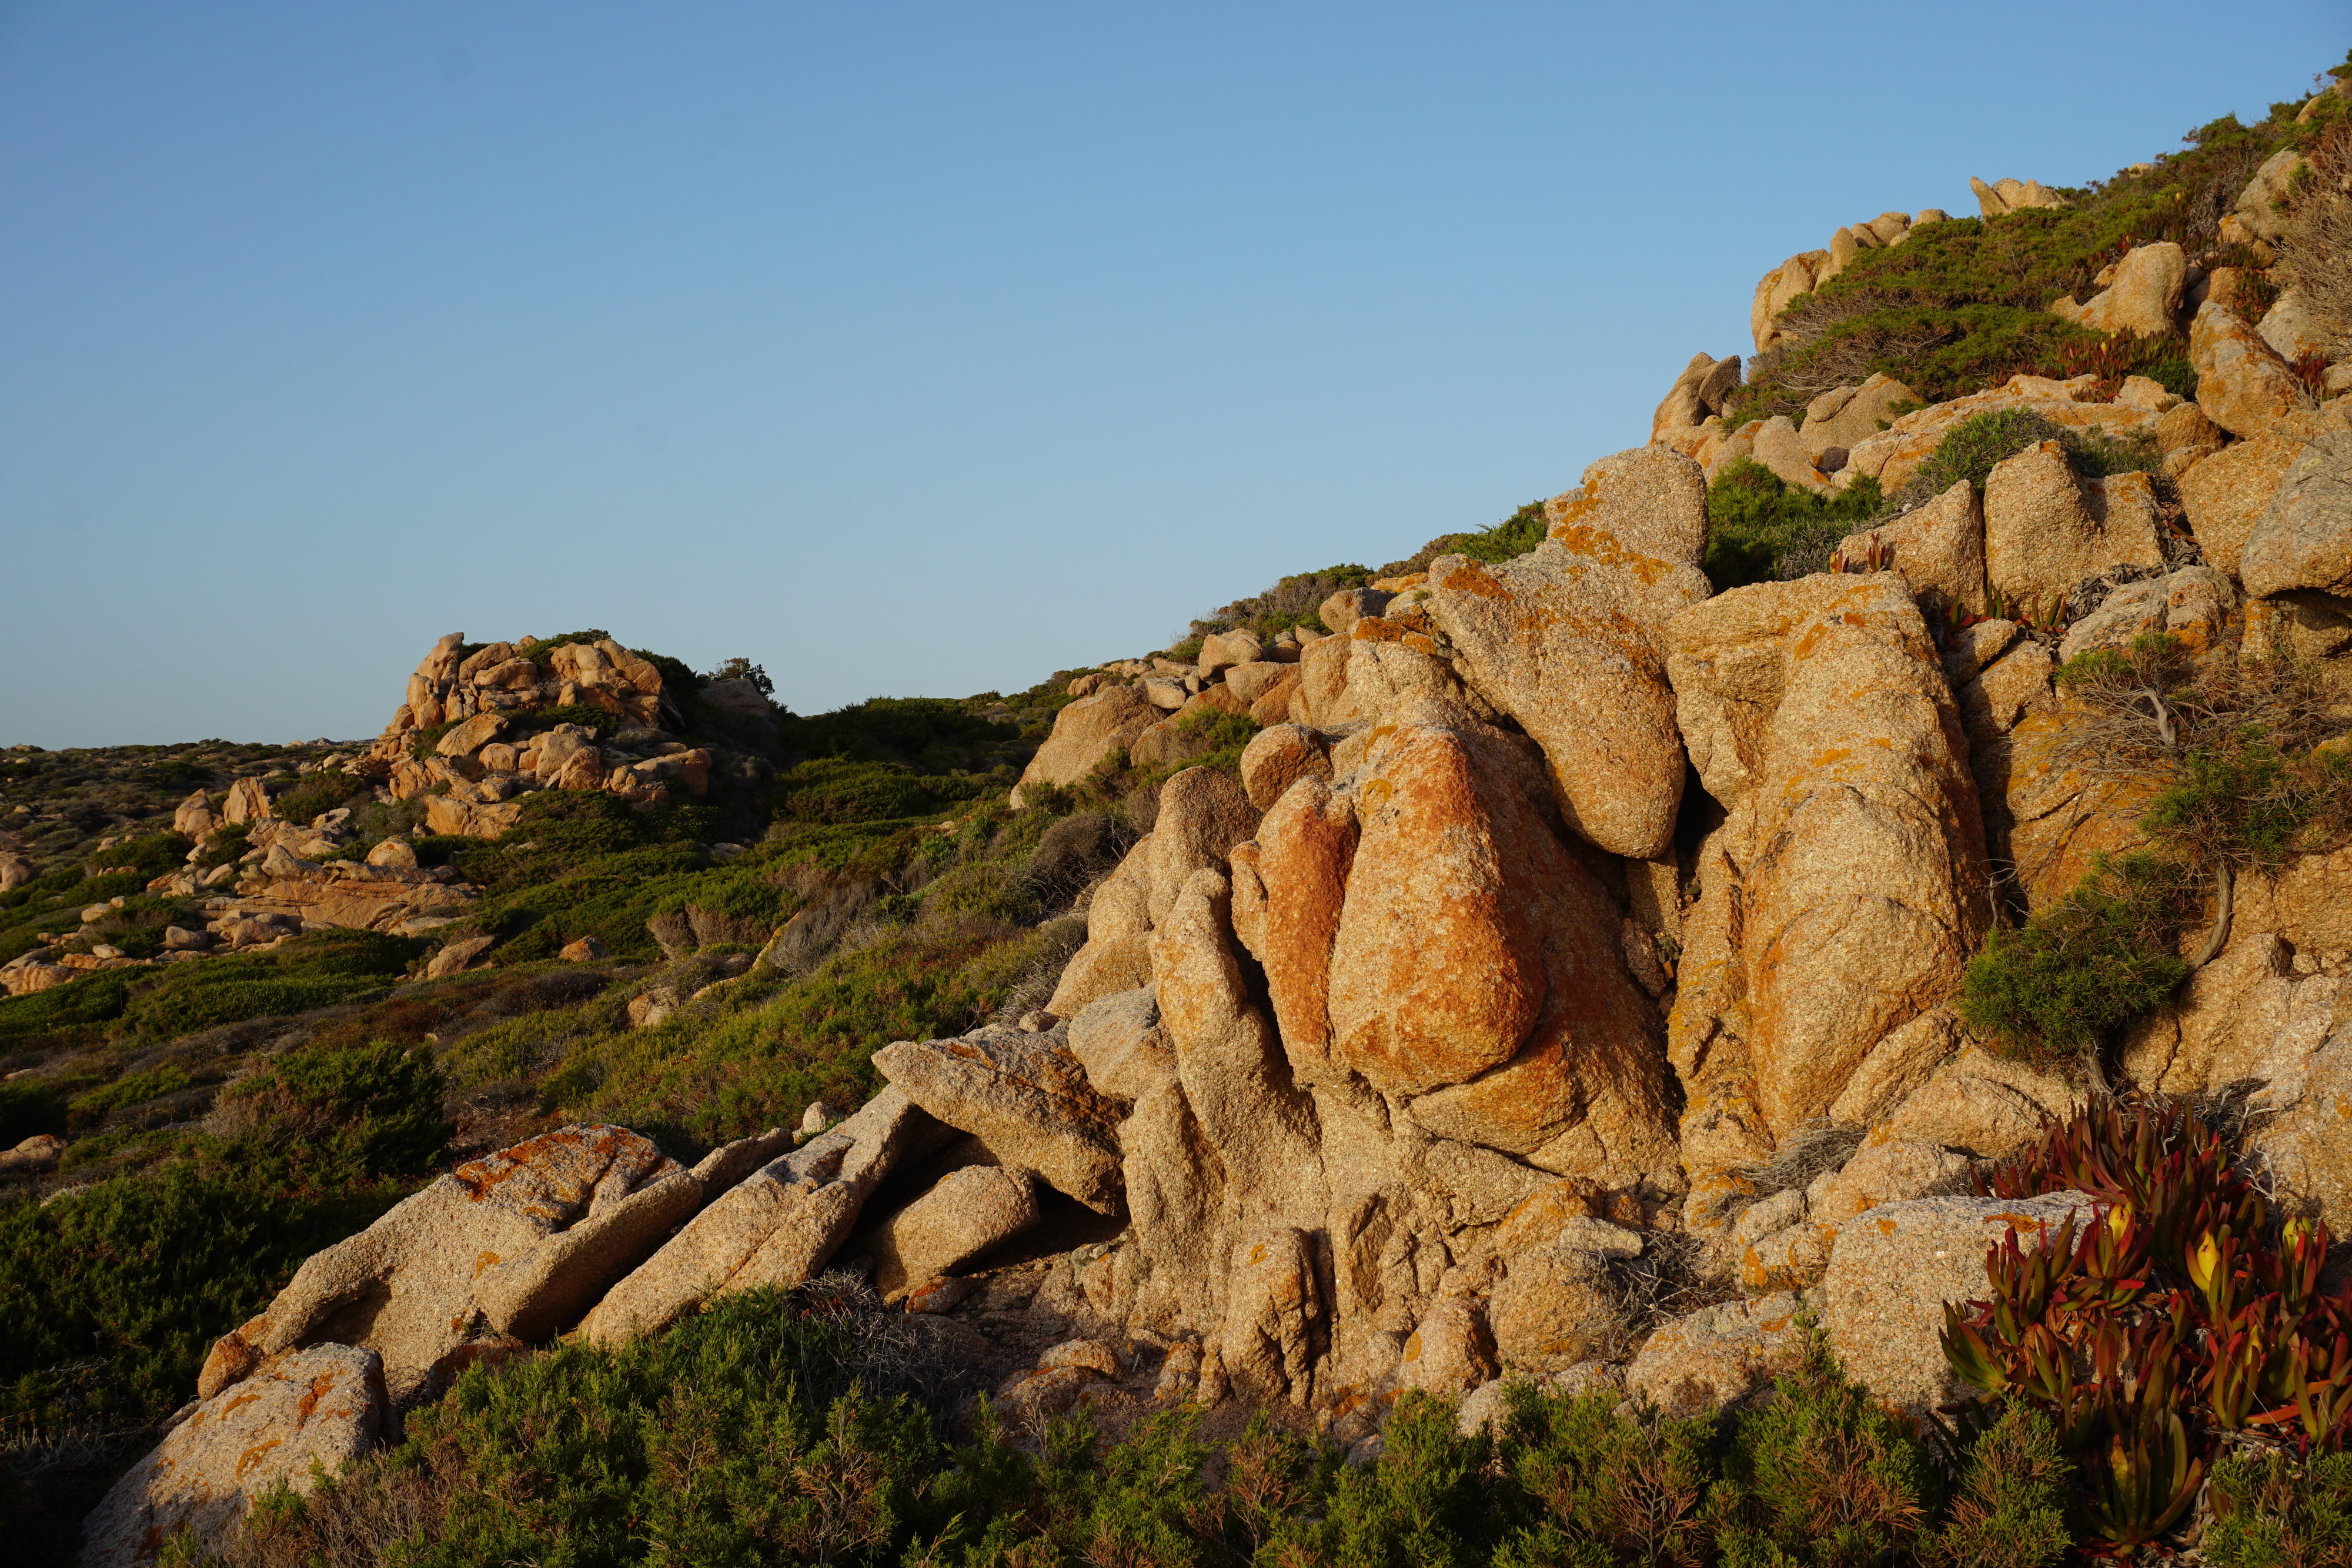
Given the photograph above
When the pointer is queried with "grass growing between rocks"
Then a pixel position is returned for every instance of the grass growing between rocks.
(1971, 449)
(805, 1427)
(1295, 599)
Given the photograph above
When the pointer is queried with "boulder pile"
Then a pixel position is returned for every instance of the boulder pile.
(475, 705)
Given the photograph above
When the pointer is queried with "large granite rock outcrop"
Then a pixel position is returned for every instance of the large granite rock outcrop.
(1847, 888)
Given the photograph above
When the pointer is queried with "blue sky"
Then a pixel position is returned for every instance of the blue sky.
(908, 348)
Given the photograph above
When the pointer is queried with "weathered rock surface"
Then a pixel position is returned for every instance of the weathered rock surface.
(968, 1212)
(322, 1406)
(2046, 529)
(1278, 756)
(1120, 1042)
(2193, 604)
(1473, 964)
(2145, 297)
(1567, 640)
(504, 1248)
(2242, 383)
(1891, 1273)
(1844, 417)
(778, 1226)
(2307, 1145)
(1023, 1095)
(1116, 956)
(2303, 542)
(1555, 1306)
(2252, 1013)
(1983, 1104)
(1717, 1356)
(1817, 712)
(2228, 492)
(2012, 195)
(1697, 392)
(1084, 732)
(1937, 549)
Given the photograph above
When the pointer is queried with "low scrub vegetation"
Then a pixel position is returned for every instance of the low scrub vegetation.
(1296, 599)
(115, 1291)
(1964, 304)
(797, 1429)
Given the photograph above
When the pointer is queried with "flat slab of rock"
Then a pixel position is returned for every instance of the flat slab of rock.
(323, 1405)
(778, 1226)
(504, 1248)
(1025, 1097)
(1892, 1270)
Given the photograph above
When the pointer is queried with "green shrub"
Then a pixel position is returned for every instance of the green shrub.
(28, 1108)
(227, 846)
(151, 854)
(1613, 1488)
(603, 721)
(2248, 801)
(318, 970)
(2091, 963)
(364, 1111)
(1971, 449)
(1964, 304)
(2009, 1509)
(838, 790)
(86, 1110)
(1224, 735)
(742, 1435)
(1821, 1474)
(148, 1270)
(421, 744)
(1514, 536)
(74, 1005)
(1760, 527)
(314, 793)
(932, 734)
(2271, 1512)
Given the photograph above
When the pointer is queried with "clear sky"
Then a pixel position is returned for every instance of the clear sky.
(906, 348)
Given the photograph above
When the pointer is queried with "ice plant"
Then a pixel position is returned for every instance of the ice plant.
(2176, 1316)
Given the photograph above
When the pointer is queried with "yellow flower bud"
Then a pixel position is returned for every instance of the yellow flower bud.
(2205, 1263)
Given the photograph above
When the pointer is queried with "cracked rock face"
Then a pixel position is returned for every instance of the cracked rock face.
(503, 1249)
(1848, 887)
(1569, 640)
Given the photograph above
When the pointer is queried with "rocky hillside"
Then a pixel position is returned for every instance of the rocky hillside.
(1786, 1004)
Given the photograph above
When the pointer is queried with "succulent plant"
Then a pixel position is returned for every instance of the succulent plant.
(2177, 1317)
